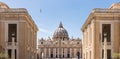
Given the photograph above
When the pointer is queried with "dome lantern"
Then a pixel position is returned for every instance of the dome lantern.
(60, 26)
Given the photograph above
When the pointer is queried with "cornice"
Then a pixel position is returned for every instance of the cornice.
(95, 14)
(87, 21)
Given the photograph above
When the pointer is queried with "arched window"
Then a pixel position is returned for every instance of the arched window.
(63, 52)
(51, 55)
(68, 52)
(56, 56)
(68, 55)
(78, 55)
(63, 55)
(51, 52)
(56, 53)
(41, 42)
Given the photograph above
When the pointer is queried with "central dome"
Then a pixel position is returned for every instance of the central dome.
(60, 32)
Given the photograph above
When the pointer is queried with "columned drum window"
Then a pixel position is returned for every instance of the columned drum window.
(106, 29)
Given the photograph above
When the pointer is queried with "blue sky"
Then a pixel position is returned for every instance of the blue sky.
(47, 14)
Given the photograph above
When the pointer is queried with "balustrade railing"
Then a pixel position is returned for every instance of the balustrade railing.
(100, 10)
(13, 10)
(108, 43)
(10, 43)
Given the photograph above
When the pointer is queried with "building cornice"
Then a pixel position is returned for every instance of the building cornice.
(87, 21)
(101, 13)
(20, 12)
(31, 22)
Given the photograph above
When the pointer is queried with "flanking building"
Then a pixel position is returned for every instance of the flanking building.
(18, 33)
(60, 46)
(101, 34)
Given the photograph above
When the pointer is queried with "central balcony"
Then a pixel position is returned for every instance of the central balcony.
(12, 43)
(108, 43)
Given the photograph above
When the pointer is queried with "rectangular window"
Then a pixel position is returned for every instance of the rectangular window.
(12, 32)
(106, 29)
(15, 54)
(9, 53)
(56, 56)
(68, 55)
(51, 55)
(63, 55)
(102, 53)
(108, 54)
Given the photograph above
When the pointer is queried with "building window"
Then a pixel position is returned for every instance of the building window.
(68, 55)
(51, 55)
(106, 28)
(63, 39)
(12, 32)
(9, 53)
(15, 54)
(63, 55)
(90, 55)
(108, 54)
(102, 53)
(77, 42)
(41, 42)
(63, 52)
(51, 52)
(78, 55)
(56, 56)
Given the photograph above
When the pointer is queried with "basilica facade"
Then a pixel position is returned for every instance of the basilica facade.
(59, 46)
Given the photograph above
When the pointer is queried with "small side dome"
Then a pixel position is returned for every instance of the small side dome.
(115, 6)
(60, 32)
(3, 6)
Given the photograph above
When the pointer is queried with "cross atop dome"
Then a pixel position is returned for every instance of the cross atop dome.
(60, 25)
